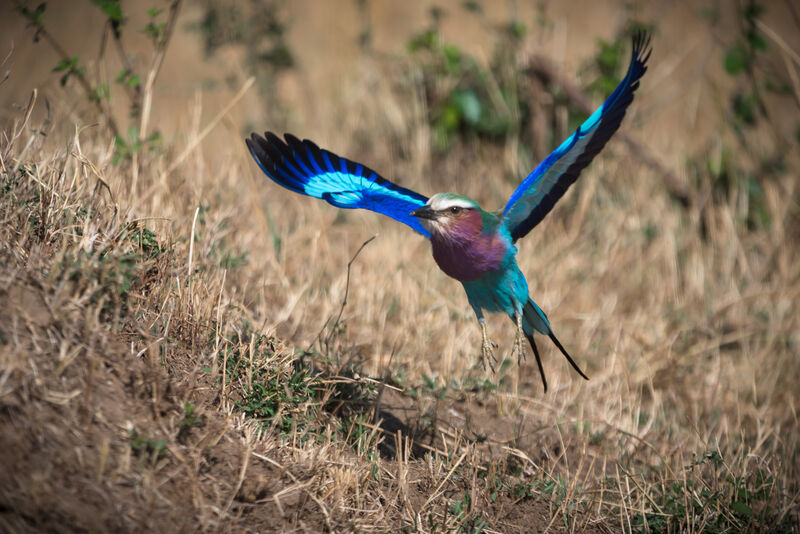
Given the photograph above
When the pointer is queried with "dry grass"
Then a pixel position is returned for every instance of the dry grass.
(165, 361)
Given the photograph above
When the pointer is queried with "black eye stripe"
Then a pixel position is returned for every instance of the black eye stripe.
(454, 209)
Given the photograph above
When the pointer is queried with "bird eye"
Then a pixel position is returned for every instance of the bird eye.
(455, 209)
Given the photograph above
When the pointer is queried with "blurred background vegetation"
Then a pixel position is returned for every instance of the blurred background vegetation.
(462, 68)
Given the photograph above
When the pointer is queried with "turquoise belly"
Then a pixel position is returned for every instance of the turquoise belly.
(502, 290)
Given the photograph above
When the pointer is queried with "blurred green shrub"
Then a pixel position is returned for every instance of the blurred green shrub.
(739, 174)
(493, 102)
(464, 98)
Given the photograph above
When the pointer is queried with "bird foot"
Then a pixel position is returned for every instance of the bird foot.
(487, 350)
(519, 343)
(487, 355)
(519, 349)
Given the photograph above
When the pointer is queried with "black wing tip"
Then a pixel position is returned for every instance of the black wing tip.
(293, 141)
(641, 39)
(272, 154)
(267, 137)
(256, 144)
(642, 48)
(253, 140)
(271, 138)
(274, 150)
(259, 146)
(263, 143)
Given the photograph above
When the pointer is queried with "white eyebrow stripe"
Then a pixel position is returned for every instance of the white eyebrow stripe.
(438, 204)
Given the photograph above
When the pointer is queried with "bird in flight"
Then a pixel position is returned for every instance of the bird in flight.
(474, 246)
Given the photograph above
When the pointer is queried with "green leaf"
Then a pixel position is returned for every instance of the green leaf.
(133, 81)
(449, 117)
(101, 92)
(742, 508)
(468, 104)
(736, 60)
(744, 107)
(517, 29)
(472, 5)
(757, 42)
(452, 56)
(38, 13)
(154, 31)
(426, 40)
(609, 55)
(111, 8)
(61, 65)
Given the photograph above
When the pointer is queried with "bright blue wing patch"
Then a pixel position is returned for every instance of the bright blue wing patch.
(307, 169)
(538, 193)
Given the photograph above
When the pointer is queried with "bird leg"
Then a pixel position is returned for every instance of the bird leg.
(487, 352)
(519, 341)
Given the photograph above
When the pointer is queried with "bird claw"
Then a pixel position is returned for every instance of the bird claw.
(487, 355)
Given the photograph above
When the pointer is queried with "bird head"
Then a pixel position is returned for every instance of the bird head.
(445, 213)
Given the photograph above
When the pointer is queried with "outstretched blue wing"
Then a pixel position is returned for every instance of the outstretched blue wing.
(305, 168)
(538, 193)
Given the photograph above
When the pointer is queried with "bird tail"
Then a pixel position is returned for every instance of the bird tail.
(533, 318)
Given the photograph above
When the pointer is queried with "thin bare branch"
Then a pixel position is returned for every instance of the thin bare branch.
(155, 67)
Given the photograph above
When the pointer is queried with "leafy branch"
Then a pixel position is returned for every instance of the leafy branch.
(67, 64)
(139, 95)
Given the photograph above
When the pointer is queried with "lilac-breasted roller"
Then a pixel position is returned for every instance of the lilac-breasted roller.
(474, 246)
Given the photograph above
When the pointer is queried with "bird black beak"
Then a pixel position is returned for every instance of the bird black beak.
(424, 212)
